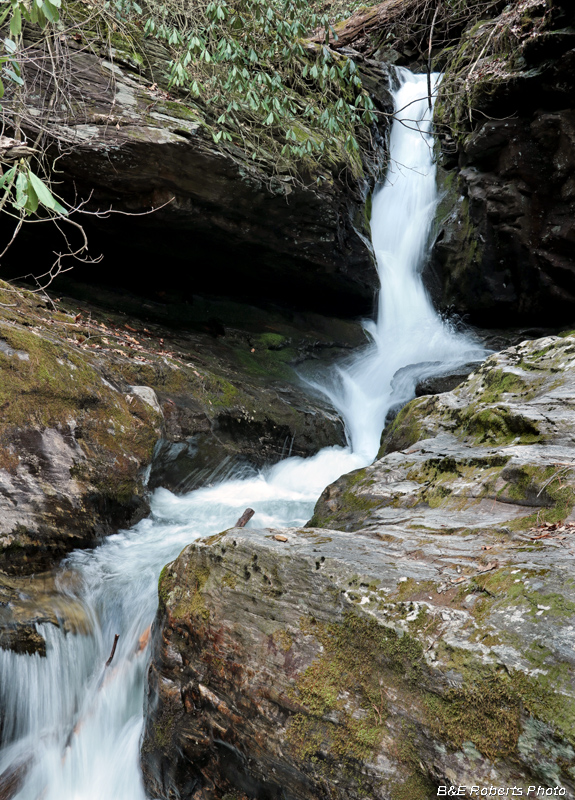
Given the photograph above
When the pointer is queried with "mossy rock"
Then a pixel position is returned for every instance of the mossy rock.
(369, 673)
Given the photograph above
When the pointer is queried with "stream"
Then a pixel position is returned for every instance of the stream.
(72, 727)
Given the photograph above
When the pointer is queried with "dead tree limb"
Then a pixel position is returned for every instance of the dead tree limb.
(245, 518)
(109, 661)
(429, 57)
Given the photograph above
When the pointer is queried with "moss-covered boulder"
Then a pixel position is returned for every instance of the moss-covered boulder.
(334, 665)
(73, 444)
(495, 452)
(419, 634)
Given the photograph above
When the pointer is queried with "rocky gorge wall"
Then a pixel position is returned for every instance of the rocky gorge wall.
(429, 603)
(100, 406)
(505, 241)
(222, 223)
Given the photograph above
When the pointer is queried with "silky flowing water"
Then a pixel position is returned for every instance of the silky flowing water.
(71, 726)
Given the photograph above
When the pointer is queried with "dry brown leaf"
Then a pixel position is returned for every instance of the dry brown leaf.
(489, 567)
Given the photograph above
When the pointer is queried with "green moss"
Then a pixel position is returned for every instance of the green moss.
(497, 383)
(162, 735)
(356, 656)
(485, 711)
(498, 425)
(414, 782)
(353, 507)
(415, 785)
(265, 362)
(367, 211)
(548, 488)
(543, 698)
(221, 392)
(360, 659)
(165, 586)
(229, 581)
(282, 640)
(272, 341)
(409, 589)
(408, 427)
(187, 601)
(502, 591)
(180, 110)
(489, 709)
(55, 387)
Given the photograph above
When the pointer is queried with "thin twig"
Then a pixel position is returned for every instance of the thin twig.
(109, 661)
(429, 57)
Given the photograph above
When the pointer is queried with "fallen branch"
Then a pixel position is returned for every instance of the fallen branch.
(245, 518)
(109, 661)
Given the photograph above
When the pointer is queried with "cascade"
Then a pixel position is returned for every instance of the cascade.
(71, 728)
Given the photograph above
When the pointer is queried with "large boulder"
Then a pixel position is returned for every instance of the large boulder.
(418, 634)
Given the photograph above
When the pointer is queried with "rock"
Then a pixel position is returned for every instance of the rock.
(504, 249)
(221, 223)
(73, 443)
(424, 378)
(436, 384)
(418, 634)
(148, 395)
(89, 395)
(32, 600)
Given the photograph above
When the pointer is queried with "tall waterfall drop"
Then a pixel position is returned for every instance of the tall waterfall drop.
(71, 728)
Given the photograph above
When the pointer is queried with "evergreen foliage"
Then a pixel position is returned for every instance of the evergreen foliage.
(267, 89)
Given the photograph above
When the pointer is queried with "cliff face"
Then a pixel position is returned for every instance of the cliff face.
(417, 634)
(505, 246)
(222, 222)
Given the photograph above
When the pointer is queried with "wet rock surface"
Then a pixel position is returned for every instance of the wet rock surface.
(437, 384)
(418, 633)
(88, 396)
(32, 600)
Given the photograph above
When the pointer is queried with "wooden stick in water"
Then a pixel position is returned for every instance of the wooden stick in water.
(245, 518)
(109, 661)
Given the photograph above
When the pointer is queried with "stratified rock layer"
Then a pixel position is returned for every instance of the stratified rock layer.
(419, 634)
(222, 222)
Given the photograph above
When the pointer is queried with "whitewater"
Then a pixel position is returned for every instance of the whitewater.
(72, 727)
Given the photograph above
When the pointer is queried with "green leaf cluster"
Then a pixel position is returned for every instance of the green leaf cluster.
(15, 12)
(268, 89)
(19, 184)
(27, 191)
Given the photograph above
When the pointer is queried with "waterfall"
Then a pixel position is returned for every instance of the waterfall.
(409, 339)
(72, 726)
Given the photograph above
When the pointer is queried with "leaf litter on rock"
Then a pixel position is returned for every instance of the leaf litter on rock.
(552, 530)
